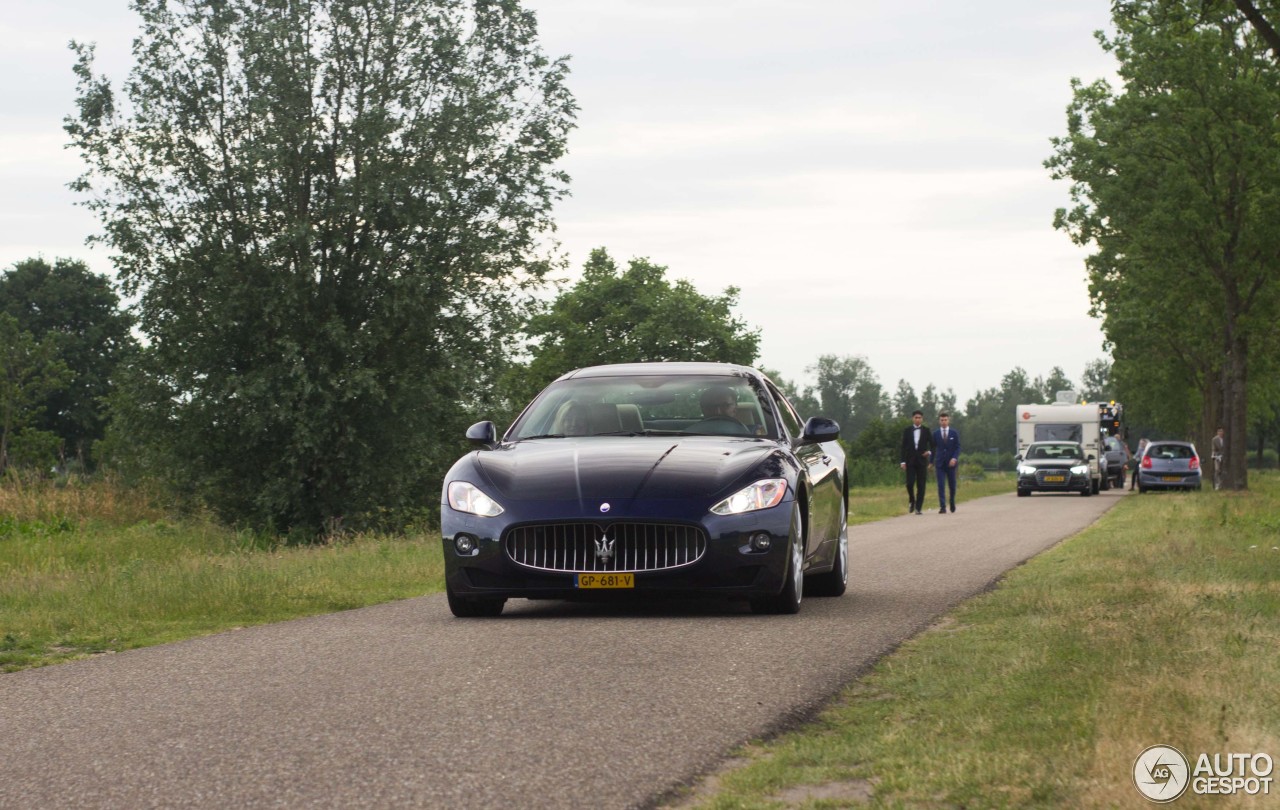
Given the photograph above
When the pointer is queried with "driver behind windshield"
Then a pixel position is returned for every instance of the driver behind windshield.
(719, 400)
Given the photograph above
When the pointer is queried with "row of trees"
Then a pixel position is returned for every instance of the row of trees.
(1174, 180)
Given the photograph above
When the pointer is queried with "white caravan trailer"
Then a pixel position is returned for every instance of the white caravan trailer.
(1064, 420)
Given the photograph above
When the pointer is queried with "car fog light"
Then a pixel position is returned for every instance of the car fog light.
(760, 541)
(465, 544)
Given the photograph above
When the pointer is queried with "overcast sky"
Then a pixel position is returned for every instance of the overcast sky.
(870, 178)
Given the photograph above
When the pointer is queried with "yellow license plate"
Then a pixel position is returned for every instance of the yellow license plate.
(606, 580)
(1171, 478)
(1054, 479)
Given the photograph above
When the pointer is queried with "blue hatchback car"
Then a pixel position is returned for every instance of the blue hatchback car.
(1169, 465)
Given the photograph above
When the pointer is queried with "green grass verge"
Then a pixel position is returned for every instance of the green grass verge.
(869, 504)
(1160, 624)
(86, 570)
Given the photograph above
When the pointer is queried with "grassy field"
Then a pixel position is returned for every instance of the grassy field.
(1160, 624)
(88, 569)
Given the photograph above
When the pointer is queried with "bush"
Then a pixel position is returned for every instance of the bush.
(971, 471)
(871, 473)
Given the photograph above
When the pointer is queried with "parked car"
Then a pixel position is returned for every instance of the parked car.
(649, 480)
(1054, 467)
(1116, 454)
(1169, 465)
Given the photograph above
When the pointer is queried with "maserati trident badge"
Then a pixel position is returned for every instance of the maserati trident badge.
(604, 548)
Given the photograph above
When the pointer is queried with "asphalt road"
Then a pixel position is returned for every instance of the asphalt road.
(551, 705)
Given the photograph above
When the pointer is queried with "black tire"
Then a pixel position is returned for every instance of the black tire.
(1087, 491)
(836, 581)
(1022, 493)
(1106, 483)
(788, 600)
(1094, 486)
(1142, 490)
(473, 607)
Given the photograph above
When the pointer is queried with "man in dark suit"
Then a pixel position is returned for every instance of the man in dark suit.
(917, 446)
(946, 454)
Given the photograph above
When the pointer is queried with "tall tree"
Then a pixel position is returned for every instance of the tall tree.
(80, 313)
(330, 211)
(848, 391)
(1096, 381)
(1174, 184)
(904, 400)
(633, 316)
(1057, 381)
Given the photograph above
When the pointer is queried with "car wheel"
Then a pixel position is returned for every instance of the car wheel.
(1106, 483)
(1142, 490)
(1087, 491)
(835, 581)
(1022, 493)
(471, 607)
(788, 601)
(1094, 486)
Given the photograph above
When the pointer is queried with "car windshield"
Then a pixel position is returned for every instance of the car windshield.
(1170, 451)
(654, 405)
(1054, 451)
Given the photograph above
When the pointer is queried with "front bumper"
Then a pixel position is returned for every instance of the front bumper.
(1043, 481)
(728, 566)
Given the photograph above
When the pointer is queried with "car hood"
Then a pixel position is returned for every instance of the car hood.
(597, 469)
(1052, 463)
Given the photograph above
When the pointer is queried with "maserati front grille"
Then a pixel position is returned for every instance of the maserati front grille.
(615, 547)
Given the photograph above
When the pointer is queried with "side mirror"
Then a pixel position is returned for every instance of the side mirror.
(483, 434)
(1018, 457)
(820, 429)
(1090, 457)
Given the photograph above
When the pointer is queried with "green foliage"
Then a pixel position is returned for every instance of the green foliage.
(880, 440)
(631, 316)
(79, 312)
(29, 371)
(1176, 188)
(331, 214)
(848, 391)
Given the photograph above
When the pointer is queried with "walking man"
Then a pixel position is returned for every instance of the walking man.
(946, 446)
(1219, 457)
(917, 446)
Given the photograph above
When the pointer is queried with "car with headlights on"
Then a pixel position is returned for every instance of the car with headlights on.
(645, 481)
(1054, 467)
(1169, 465)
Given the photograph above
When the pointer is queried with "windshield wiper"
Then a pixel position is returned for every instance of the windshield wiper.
(542, 436)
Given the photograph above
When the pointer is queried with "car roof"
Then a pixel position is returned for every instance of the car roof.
(1053, 441)
(669, 368)
(1180, 444)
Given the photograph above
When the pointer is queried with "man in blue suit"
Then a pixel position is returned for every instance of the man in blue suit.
(946, 454)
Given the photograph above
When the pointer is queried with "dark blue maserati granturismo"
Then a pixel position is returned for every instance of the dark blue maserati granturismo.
(648, 480)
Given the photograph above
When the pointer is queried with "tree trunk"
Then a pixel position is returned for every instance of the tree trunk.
(1237, 418)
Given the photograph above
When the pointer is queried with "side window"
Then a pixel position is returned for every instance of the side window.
(788, 416)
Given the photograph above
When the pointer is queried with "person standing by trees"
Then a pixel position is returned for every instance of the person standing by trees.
(1219, 451)
(1137, 461)
(917, 446)
(946, 442)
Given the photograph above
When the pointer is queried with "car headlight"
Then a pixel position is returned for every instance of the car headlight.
(1080, 469)
(1025, 470)
(466, 498)
(760, 495)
